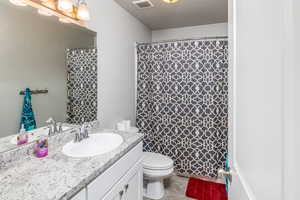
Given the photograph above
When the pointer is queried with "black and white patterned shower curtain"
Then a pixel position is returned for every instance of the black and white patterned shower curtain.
(182, 103)
(81, 85)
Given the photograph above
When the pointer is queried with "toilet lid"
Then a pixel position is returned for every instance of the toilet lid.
(156, 161)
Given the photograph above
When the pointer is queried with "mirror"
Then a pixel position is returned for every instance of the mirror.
(42, 54)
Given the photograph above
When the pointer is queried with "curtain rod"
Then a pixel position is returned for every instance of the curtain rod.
(182, 40)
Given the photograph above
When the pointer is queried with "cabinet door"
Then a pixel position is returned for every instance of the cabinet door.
(130, 186)
(133, 189)
(114, 195)
(111, 178)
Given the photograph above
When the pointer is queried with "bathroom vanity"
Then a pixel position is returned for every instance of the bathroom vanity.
(109, 176)
(123, 180)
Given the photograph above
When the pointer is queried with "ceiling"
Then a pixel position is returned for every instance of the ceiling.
(182, 13)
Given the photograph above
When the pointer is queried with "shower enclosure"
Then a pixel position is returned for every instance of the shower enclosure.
(182, 102)
(81, 85)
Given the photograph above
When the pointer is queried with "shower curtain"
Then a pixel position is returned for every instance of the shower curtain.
(182, 103)
(81, 85)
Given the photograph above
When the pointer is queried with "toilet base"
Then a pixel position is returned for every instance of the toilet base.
(154, 189)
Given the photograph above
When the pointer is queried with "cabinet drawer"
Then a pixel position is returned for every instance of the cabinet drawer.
(102, 184)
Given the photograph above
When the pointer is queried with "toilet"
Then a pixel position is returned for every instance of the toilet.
(156, 167)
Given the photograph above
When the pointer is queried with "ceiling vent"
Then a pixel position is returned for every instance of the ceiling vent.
(143, 4)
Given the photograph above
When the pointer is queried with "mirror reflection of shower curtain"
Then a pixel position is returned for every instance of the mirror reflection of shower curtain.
(182, 103)
(81, 85)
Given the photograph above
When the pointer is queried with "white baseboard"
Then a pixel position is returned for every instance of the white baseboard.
(245, 186)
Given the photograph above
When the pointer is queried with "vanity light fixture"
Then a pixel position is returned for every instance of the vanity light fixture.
(65, 5)
(48, 4)
(18, 2)
(170, 1)
(83, 11)
(67, 11)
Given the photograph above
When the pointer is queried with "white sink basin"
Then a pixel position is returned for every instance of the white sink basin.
(96, 144)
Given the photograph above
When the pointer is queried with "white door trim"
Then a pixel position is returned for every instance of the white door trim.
(289, 103)
(232, 39)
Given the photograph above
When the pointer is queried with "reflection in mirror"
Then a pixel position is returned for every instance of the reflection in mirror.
(34, 54)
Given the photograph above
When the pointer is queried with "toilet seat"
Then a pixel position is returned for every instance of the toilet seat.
(150, 173)
(156, 161)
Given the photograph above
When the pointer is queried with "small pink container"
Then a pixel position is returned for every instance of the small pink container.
(41, 152)
(22, 141)
(41, 148)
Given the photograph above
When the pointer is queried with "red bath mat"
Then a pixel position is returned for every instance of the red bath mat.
(204, 190)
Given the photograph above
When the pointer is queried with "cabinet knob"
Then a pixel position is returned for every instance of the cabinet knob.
(126, 186)
(121, 193)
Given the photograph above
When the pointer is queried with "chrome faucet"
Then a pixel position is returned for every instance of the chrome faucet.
(53, 126)
(83, 132)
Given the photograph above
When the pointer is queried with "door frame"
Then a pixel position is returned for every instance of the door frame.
(290, 158)
(289, 131)
(240, 188)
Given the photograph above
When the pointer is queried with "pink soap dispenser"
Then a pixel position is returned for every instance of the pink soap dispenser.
(41, 148)
(22, 138)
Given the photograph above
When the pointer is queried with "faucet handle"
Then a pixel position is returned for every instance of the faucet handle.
(50, 131)
(50, 120)
(82, 133)
(89, 125)
(77, 136)
(86, 125)
(85, 130)
(52, 123)
(60, 129)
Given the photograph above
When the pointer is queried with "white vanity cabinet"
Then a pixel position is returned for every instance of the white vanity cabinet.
(129, 187)
(122, 181)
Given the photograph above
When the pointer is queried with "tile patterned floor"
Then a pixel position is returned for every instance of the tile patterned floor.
(175, 189)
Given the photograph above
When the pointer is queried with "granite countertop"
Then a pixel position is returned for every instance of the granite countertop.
(57, 177)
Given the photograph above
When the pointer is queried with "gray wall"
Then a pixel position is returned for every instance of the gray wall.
(32, 54)
(117, 33)
(210, 30)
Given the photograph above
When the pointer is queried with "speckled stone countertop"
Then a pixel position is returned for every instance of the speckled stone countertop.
(57, 177)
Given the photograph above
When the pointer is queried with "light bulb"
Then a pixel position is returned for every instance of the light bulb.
(44, 11)
(64, 20)
(83, 12)
(18, 2)
(49, 4)
(65, 5)
(170, 1)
